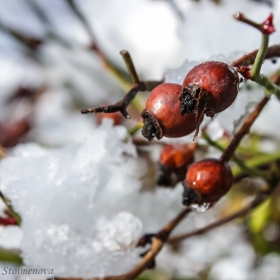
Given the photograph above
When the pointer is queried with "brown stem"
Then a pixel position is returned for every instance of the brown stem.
(130, 66)
(265, 27)
(122, 104)
(229, 151)
(156, 246)
(241, 17)
(137, 86)
(249, 59)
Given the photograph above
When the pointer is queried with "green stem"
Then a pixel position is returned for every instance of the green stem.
(270, 87)
(135, 128)
(255, 72)
(237, 160)
(256, 162)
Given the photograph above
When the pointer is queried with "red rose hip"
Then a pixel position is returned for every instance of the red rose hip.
(207, 181)
(174, 160)
(209, 88)
(162, 114)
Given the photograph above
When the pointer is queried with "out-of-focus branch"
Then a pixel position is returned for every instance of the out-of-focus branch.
(258, 161)
(50, 32)
(10, 208)
(94, 45)
(236, 159)
(8, 204)
(229, 151)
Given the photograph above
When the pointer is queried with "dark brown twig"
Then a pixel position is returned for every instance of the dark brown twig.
(137, 86)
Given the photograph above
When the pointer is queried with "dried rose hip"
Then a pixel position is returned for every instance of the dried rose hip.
(207, 181)
(162, 114)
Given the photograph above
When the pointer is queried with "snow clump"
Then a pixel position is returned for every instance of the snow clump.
(71, 203)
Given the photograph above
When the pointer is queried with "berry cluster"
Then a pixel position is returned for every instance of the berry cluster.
(173, 110)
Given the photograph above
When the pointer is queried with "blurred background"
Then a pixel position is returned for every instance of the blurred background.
(59, 56)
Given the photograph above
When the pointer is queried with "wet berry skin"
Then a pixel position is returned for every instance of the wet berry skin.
(162, 114)
(210, 88)
(207, 181)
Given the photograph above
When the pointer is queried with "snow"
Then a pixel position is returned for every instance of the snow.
(65, 200)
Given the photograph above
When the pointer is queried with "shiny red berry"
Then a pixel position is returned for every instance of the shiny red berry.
(209, 88)
(162, 114)
(207, 181)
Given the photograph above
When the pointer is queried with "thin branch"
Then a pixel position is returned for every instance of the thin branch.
(130, 66)
(10, 209)
(229, 151)
(50, 32)
(137, 86)
(249, 59)
(257, 201)
(93, 42)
